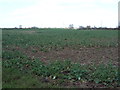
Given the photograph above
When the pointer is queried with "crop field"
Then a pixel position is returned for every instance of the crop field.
(59, 58)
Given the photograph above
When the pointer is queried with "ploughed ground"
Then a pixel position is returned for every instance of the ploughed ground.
(81, 55)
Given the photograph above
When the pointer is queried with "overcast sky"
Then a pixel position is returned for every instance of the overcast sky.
(58, 13)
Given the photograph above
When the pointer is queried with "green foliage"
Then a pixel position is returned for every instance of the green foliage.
(7, 54)
(38, 68)
(59, 69)
(48, 39)
(79, 72)
(105, 74)
(14, 78)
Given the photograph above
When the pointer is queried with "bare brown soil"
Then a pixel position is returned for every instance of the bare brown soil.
(81, 55)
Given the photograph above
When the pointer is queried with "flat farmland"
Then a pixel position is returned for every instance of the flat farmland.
(53, 58)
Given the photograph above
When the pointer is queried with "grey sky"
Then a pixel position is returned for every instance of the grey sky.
(58, 13)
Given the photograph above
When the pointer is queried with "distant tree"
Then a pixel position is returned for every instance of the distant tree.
(119, 27)
(88, 27)
(20, 26)
(71, 26)
(34, 27)
(81, 27)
